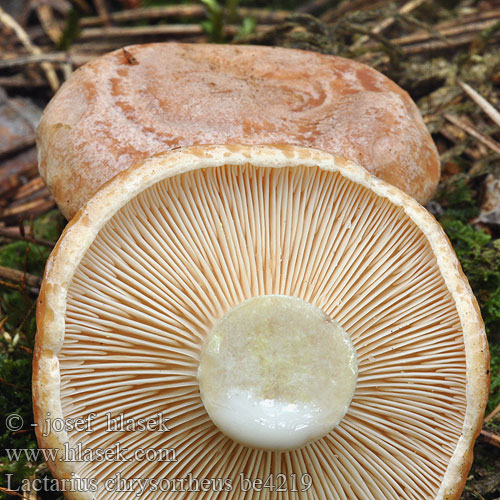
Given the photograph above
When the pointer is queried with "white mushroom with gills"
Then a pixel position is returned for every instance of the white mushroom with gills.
(303, 328)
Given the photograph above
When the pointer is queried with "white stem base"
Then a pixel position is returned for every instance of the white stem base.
(277, 373)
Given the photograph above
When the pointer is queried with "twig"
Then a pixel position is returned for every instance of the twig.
(449, 131)
(19, 145)
(444, 32)
(10, 492)
(27, 350)
(14, 234)
(132, 31)
(434, 46)
(487, 141)
(471, 18)
(53, 57)
(20, 82)
(481, 102)
(22, 164)
(19, 277)
(405, 9)
(82, 4)
(350, 6)
(49, 24)
(494, 413)
(263, 16)
(32, 208)
(67, 69)
(11, 23)
(103, 11)
(158, 30)
(418, 43)
(140, 14)
(30, 188)
(484, 37)
(196, 11)
(393, 51)
(490, 438)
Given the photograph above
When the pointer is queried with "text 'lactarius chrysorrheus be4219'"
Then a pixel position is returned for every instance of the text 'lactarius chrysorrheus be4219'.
(112, 114)
(189, 301)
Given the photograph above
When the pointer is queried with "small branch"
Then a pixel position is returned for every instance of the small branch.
(31, 187)
(475, 28)
(196, 11)
(30, 209)
(490, 438)
(27, 350)
(157, 30)
(481, 102)
(471, 18)
(19, 145)
(18, 277)
(350, 6)
(21, 82)
(383, 25)
(487, 141)
(21, 165)
(393, 51)
(53, 57)
(147, 13)
(67, 69)
(493, 414)
(100, 6)
(48, 22)
(133, 31)
(442, 45)
(439, 39)
(10, 492)
(11, 23)
(451, 132)
(422, 48)
(82, 4)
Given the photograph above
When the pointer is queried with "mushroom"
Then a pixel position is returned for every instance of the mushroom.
(161, 321)
(113, 113)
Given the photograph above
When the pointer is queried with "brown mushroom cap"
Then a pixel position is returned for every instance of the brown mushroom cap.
(165, 249)
(113, 113)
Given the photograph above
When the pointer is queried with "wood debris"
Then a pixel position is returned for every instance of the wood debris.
(445, 54)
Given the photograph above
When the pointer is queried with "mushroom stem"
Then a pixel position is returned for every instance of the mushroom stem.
(277, 373)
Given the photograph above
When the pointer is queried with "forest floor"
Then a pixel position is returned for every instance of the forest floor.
(446, 54)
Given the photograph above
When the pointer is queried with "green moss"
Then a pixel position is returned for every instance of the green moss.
(494, 400)
(24, 256)
(479, 254)
(19, 308)
(15, 399)
(49, 226)
(458, 199)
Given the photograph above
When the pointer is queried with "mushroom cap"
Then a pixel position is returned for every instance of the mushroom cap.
(112, 113)
(166, 248)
